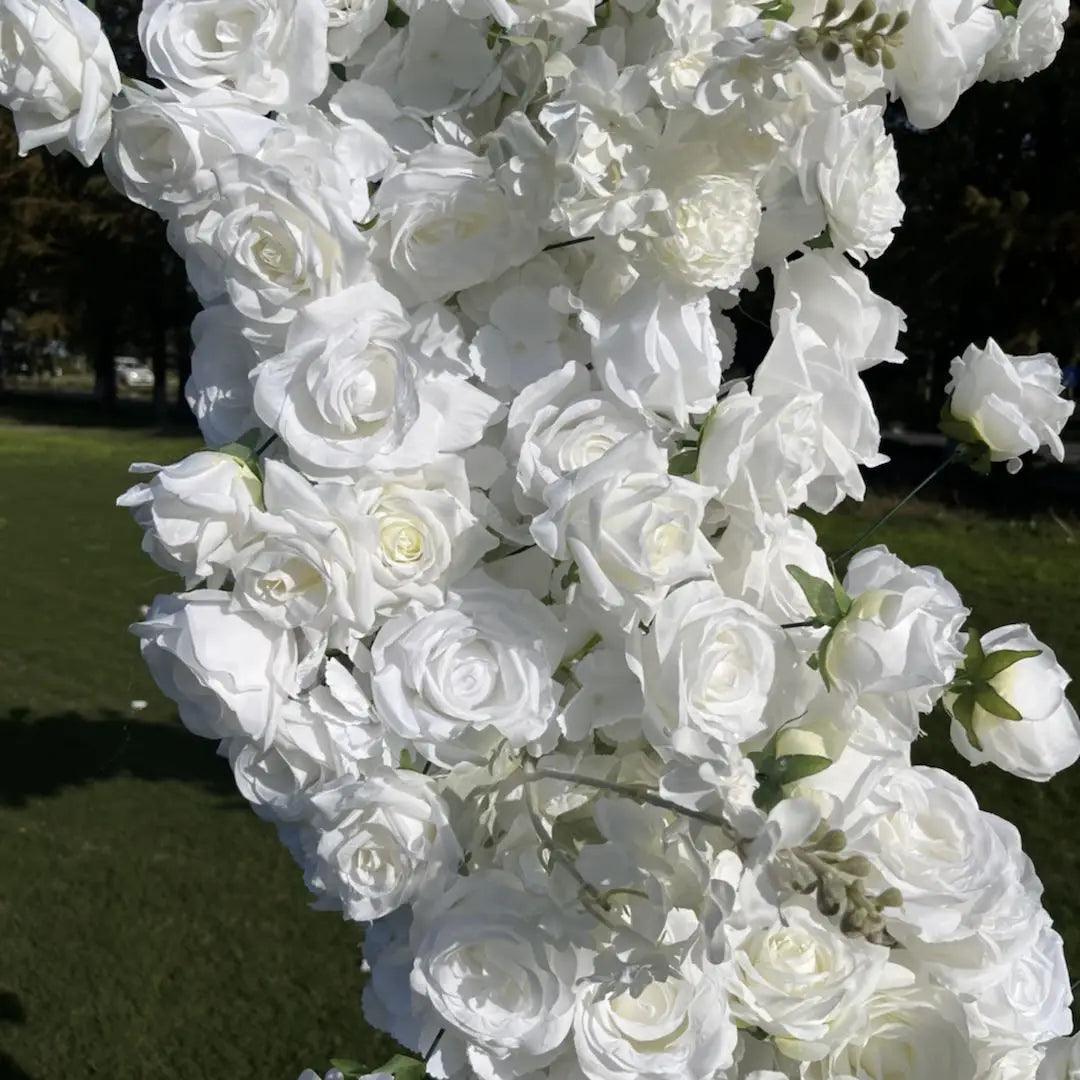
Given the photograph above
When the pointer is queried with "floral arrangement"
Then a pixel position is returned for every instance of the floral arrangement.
(496, 594)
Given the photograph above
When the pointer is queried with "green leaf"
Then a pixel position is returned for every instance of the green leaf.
(367, 226)
(684, 462)
(1007, 7)
(1002, 659)
(986, 697)
(822, 596)
(768, 793)
(338, 71)
(395, 17)
(963, 710)
(349, 1067)
(792, 767)
(822, 240)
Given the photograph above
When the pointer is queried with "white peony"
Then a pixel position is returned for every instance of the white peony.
(229, 672)
(1027, 41)
(1046, 739)
(197, 513)
(57, 76)
(1013, 403)
(270, 52)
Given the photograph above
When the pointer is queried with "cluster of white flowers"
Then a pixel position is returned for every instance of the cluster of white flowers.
(498, 599)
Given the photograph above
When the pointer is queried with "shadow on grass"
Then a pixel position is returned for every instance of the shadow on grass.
(65, 408)
(40, 755)
(11, 1012)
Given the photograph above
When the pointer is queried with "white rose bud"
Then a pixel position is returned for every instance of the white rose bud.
(229, 672)
(57, 76)
(1013, 403)
(1047, 738)
(196, 513)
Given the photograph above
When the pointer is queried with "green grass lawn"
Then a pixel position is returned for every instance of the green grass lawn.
(150, 925)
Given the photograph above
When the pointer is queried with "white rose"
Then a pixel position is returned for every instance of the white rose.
(229, 672)
(834, 298)
(760, 453)
(803, 982)
(57, 76)
(271, 52)
(714, 225)
(633, 531)
(493, 961)
(344, 390)
(383, 841)
(715, 672)
(454, 681)
(914, 1032)
(800, 363)
(196, 513)
(349, 24)
(754, 559)
(902, 633)
(1014, 403)
(445, 224)
(1031, 997)
(273, 245)
(219, 388)
(1062, 1061)
(658, 353)
(163, 149)
(1027, 42)
(673, 1029)
(850, 162)
(969, 895)
(1047, 738)
(558, 424)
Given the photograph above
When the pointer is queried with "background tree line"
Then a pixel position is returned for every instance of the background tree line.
(990, 244)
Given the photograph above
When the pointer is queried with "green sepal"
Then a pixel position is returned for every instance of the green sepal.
(1007, 7)
(973, 652)
(988, 699)
(1002, 659)
(792, 767)
(963, 711)
(827, 599)
(684, 463)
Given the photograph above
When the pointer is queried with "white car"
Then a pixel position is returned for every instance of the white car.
(133, 373)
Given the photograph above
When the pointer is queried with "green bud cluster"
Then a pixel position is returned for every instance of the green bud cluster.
(871, 35)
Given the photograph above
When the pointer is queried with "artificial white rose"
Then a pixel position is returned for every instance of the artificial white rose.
(833, 298)
(164, 149)
(714, 226)
(270, 52)
(344, 390)
(970, 899)
(1047, 738)
(760, 453)
(754, 558)
(1027, 41)
(658, 353)
(800, 363)
(801, 981)
(902, 633)
(673, 1029)
(714, 671)
(849, 162)
(560, 423)
(196, 513)
(349, 24)
(454, 681)
(383, 842)
(494, 962)
(229, 672)
(1014, 403)
(57, 76)
(273, 245)
(445, 224)
(940, 55)
(633, 530)
(1062, 1060)
(1030, 998)
(914, 1032)
(219, 388)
